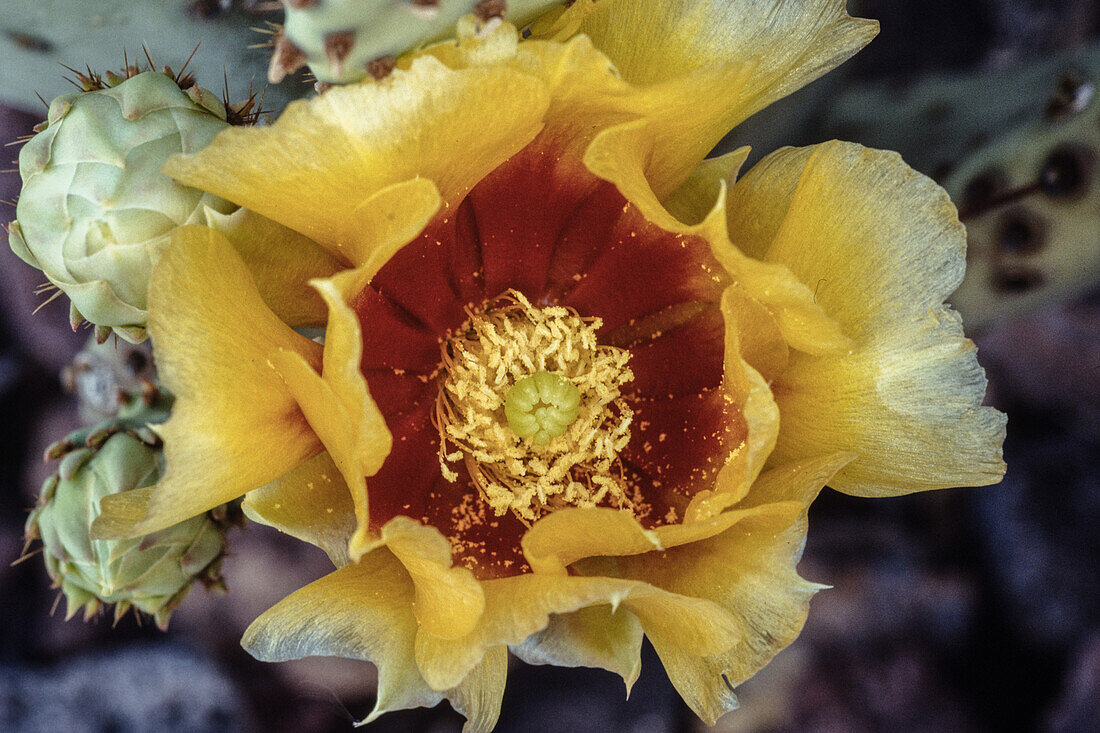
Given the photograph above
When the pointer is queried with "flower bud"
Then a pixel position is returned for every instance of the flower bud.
(151, 573)
(95, 211)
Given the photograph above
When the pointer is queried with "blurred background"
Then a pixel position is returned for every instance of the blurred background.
(963, 610)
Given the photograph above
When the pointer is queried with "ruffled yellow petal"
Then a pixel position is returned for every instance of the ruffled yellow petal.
(694, 199)
(312, 503)
(314, 168)
(761, 343)
(884, 248)
(369, 606)
(360, 611)
(597, 636)
(521, 605)
(749, 570)
(119, 516)
(560, 24)
(678, 54)
(792, 42)
(560, 539)
(587, 95)
(282, 263)
(338, 406)
(234, 425)
(389, 218)
(761, 415)
(449, 600)
(798, 482)
(691, 624)
(479, 695)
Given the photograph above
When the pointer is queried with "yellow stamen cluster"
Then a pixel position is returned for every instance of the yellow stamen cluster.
(531, 404)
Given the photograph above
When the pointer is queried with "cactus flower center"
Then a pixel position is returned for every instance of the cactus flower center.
(530, 403)
(542, 347)
(541, 406)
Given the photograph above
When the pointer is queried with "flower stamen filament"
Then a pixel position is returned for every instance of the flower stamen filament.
(530, 403)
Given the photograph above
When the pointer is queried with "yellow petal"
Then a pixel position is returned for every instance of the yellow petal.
(677, 143)
(678, 56)
(560, 539)
(561, 23)
(691, 624)
(121, 514)
(360, 611)
(885, 247)
(757, 204)
(798, 482)
(567, 535)
(748, 389)
(449, 600)
(792, 42)
(801, 319)
(389, 218)
(748, 570)
(521, 605)
(596, 636)
(337, 403)
(333, 424)
(234, 425)
(515, 608)
(314, 168)
(479, 695)
(760, 340)
(587, 95)
(312, 503)
(695, 198)
(667, 144)
(281, 261)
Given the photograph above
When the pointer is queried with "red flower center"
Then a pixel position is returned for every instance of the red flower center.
(546, 228)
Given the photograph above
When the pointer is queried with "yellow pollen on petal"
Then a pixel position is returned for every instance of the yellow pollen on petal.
(531, 404)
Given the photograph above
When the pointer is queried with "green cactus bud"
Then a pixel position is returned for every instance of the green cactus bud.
(152, 573)
(95, 211)
(344, 41)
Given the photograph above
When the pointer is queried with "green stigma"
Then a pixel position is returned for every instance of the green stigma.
(541, 406)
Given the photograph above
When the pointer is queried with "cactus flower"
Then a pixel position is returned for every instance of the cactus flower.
(95, 211)
(579, 384)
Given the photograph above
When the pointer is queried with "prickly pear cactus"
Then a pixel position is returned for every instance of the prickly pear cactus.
(95, 211)
(1031, 205)
(37, 37)
(344, 41)
(151, 574)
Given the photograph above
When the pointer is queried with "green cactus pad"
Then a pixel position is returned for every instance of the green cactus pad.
(36, 38)
(344, 41)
